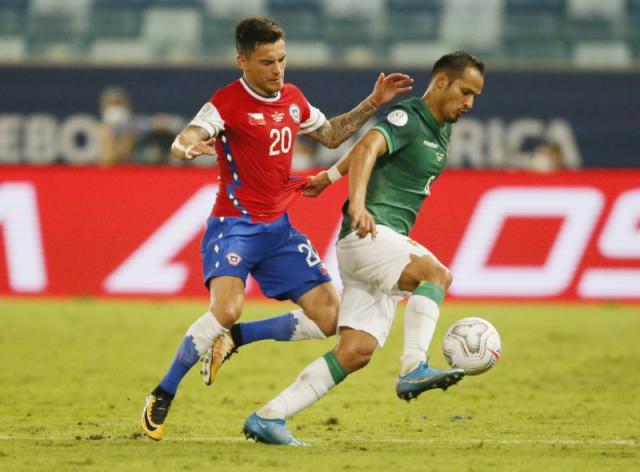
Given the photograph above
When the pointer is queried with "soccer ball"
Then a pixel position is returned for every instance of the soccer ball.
(472, 344)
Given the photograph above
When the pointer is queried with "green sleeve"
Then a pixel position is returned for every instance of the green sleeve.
(398, 127)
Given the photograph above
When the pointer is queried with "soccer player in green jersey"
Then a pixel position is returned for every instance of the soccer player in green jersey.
(391, 170)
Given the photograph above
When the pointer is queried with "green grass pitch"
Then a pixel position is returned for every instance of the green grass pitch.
(564, 396)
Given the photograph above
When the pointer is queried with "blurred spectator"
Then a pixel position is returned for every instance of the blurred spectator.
(547, 157)
(117, 130)
(155, 138)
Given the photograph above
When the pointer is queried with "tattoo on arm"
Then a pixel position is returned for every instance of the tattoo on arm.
(337, 130)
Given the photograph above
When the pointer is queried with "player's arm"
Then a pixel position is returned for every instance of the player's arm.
(191, 142)
(361, 159)
(372, 142)
(337, 130)
(198, 137)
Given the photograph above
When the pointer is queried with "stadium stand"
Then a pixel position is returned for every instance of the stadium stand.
(321, 32)
(632, 27)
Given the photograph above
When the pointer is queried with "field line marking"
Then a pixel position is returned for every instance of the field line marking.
(383, 440)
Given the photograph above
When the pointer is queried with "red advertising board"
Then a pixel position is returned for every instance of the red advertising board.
(136, 232)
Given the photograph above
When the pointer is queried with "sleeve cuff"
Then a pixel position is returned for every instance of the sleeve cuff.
(387, 138)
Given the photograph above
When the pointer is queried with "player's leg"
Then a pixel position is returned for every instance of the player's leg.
(353, 352)
(364, 321)
(229, 251)
(294, 325)
(227, 298)
(427, 279)
(397, 265)
(292, 273)
(315, 320)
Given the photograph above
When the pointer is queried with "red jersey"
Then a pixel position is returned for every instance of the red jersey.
(255, 138)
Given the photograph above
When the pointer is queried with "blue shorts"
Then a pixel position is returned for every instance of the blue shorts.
(281, 259)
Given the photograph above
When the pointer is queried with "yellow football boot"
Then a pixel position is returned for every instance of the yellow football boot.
(221, 350)
(154, 413)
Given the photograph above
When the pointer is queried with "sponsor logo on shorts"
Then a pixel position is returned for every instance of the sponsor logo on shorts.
(233, 258)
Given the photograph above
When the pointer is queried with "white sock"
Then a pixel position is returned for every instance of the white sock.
(305, 328)
(420, 318)
(204, 331)
(312, 384)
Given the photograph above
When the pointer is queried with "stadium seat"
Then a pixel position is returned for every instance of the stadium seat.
(308, 53)
(116, 18)
(218, 26)
(173, 33)
(534, 29)
(533, 20)
(52, 34)
(236, 8)
(12, 17)
(602, 54)
(302, 20)
(412, 20)
(538, 51)
(217, 37)
(12, 49)
(632, 25)
(420, 54)
(349, 27)
(120, 51)
(472, 25)
(594, 20)
(55, 29)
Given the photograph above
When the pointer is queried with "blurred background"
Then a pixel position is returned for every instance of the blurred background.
(112, 81)
(541, 199)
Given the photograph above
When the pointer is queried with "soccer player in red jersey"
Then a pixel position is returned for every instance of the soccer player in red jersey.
(253, 123)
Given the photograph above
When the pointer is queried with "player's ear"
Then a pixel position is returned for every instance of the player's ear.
(242, 61)
(442, 80)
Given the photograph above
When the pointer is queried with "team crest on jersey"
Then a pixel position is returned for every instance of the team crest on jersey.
(277, 116)
(256, 119)
(233, 258)
(294, 111)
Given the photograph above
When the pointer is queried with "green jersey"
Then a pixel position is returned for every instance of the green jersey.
(400, 180)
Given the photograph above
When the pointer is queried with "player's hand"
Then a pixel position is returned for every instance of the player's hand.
(362, 222)
(316, 184)
(199, 149)
(387, 87)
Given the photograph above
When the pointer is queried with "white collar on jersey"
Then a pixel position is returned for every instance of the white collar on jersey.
(255, 94)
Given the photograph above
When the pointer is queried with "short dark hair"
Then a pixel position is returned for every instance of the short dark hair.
(254, 31)
(455, 63)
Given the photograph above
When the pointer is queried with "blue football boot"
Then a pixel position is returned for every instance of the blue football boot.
(424, 378)
(269, 432)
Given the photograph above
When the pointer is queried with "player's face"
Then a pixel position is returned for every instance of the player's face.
(264, 67)
(457, 95)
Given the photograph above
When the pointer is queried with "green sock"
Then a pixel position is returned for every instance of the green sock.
(336, 370)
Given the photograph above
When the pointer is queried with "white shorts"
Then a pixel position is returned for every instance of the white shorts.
(370, 270)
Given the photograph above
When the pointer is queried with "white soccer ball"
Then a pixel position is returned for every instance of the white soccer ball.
(472, 344)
